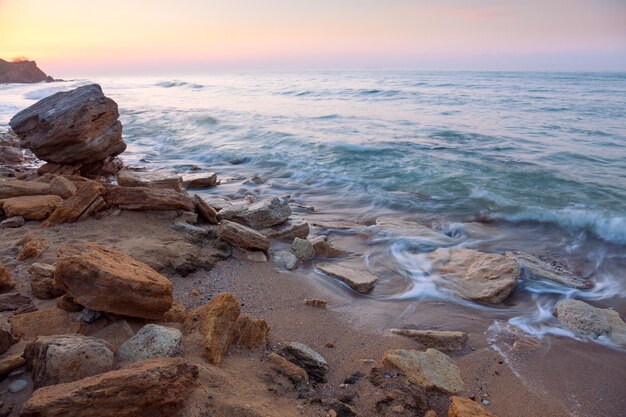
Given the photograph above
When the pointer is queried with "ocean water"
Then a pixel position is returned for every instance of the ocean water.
(538, 158)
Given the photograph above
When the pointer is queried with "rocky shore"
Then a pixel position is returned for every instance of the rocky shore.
(22, 72)
(124, 293)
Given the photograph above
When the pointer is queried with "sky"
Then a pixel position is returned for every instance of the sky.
(160, 36)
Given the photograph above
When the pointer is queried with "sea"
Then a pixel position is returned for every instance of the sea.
(499, 161)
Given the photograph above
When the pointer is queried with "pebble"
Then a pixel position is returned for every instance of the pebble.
(18, 385)
(330, 344)
(485, 402)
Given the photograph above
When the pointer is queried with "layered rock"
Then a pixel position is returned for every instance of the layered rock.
(44, 322)
(431, 369)
(586, 320)
(358, 280)
(66, 358)
(157, 387)
(19, 188)
(62, 187)
(144, 198)
(292, 228)
(163, 180)
(22, 72)
(287, 368)
(80, 126)
(473, 275)
(308, 359)
(152, 341)
(242, 236)
(199, 180)
(37, 207)
(447, 341)
(105, 279)
(259, 215)
(84, 202)
(536, 268)
(250, 333)
(207, 212)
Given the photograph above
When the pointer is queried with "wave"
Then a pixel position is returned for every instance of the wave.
(170, 84)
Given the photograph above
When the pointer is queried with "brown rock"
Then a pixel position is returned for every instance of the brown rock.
(199, 180)
(464, 407)
(10, 155)
(154, 388)
(250, 333)
(431, 413)
(242, 236)
(144, 198)
(175, 314)
(58, 169)
(216, 323)
(324, 249)
(13, 301)
(42, 281)
(430, 369)
(33, 247)
(37, 207)
(207, 212)
(62, 187)
(67, 303)
(6, 338)
(7, 283)
(446, 341)
(359, 280)
(44, 322)
(18, 188)
(105, 279)
(313, 302)
(289, 369)
(73, 127)
(84, 202)
(127, 178)
(116, 334)
(9, 363)
(22, 72)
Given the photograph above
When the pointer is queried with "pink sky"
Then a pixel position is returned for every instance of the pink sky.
(77, 36)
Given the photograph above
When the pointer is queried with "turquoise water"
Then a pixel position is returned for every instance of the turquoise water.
(540, 156)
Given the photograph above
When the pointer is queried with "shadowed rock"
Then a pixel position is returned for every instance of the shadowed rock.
(22, 72)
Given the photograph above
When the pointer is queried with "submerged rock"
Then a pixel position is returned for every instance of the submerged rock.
(473, 275)
(536, 268)
(325, 249)
(152, 341)
(72, 127)
(303, 249)
(447, 341)
(308, 359)
(359, 280)
(259, 215)
(586, 320)
(414, 230)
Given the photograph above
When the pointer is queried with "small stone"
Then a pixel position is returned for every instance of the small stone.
(191, 229)
(303, 249)
(33, 247)
(195, 293)
(324, 249)
(67, 303)
(62, 187)
(13, 222)
(89, 316)
(7, 282)
(431, 369)
(17, 386)
(485, 402)
(285, 260)
(307, 358)
(313, 302)
(152, 341)
(398, 409)
(329, 344)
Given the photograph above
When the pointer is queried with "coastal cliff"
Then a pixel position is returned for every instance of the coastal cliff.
(22, 72)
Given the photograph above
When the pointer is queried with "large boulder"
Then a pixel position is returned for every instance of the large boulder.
(156, 388)
(66, 358)
(259, 215)
(105, 279)
(22, 72)
(73, 127)
(474, 275)
(587, 320)
(152, 341)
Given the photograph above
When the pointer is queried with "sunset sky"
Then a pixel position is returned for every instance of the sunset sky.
(81, 36)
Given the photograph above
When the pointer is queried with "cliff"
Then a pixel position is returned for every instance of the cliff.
(22, 72)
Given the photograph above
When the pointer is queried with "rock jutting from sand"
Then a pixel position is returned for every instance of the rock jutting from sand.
(205, 211)
(474, 275)
(259, 215)
(287, 368)
(151, 342)
(80, 126)
(446, 341)
(106, 279)
(359, 280)
(308, 359)
(431, 369)
(36, 207)
(7, 282)
(242, 236)
(533, 267)
(285, 259)
(586, 320)
(86, 201)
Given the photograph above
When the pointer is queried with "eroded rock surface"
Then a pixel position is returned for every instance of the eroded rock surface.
(358, 280)
(587, 320)
(259, 215)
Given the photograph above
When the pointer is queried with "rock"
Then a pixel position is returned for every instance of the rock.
(473, 275)
(533, 267)
(164, 180)
(44, 322)
(144, 198)
(312, 362)
(431, 413)
(286, 260)
(13, 301)
(19, 188)
(187, 217)
(86, 315)
(324, 249)
(156, 387)
(446, 341)
(586, 320)
(315, 302)
(216, 323)
(250, 333)
(152, 341)
(207, 212)
(73, 127)
(11, 362)
(33, 247)
(67, 303)
(259, 215)
(464, 407)
(7, 282)
(105, 279)
(176, 314)
(289, 230)
(42, 281)
(303, 249)
(251, 255)
(6, 338)
(199, 180)
(86, 201)
(431, 369)
(11, 156)
(13, 222)
(66, 358)
(17, 385)
(191, 229)
(36, 207)
(289, 369)
(116, 334)
(358, 280)
(21, 72)
(58, 169)
(62, 187)
(242, 236)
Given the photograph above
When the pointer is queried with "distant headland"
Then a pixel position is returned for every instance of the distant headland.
(22, 71)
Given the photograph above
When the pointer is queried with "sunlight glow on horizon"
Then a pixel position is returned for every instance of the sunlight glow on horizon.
(74, 35)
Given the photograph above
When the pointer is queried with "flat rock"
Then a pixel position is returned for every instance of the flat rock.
(156, 387)
(81, 204)
(259, 215)
(199, 180)
(19, 188)
(7, 282)
(465, 407)
(303, 249)
(66, 358)
(325, 249)
(249, 332)
(536, 268)
(473, 275)
(203, 208)
(73, 127)
(145, 198)
(242, 236)
(105, 279)
(44, 322)
(127, 178)
(358, 280)
(586, 320)
(36, 207)
(62, 187)
(13, 222)
(289, 230)
(446, 341)
(152, 341)
(305, 357)
(431, 369)
(13, 301)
